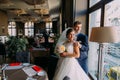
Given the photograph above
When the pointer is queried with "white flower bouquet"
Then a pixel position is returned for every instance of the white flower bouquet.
(60, 48)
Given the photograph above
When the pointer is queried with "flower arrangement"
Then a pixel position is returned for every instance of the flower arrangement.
(61, 49)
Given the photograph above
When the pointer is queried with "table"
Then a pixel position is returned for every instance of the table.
(22, 71)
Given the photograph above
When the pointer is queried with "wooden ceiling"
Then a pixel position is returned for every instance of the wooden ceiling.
(31, 10)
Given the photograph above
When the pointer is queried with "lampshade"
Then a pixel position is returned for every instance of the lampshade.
(104, 35)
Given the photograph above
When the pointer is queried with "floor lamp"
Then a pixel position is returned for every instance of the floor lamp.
(103, 35)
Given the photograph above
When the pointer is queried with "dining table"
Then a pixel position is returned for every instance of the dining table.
(23, 71)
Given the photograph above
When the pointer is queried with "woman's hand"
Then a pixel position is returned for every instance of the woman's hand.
(64, 54)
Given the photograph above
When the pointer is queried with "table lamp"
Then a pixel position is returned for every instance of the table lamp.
(103, 35)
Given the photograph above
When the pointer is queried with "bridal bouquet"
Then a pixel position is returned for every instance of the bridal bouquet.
(61, 49)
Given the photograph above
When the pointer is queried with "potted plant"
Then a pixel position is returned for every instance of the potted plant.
(15, 46)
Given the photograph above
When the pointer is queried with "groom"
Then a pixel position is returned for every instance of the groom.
(83, 39)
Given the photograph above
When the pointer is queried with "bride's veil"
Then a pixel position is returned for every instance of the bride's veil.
(61, 40)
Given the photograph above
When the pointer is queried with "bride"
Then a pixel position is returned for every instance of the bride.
(68, 67)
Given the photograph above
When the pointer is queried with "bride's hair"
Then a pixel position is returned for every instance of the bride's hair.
(68, 32)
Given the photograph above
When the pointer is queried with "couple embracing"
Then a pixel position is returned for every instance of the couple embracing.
(72, 64)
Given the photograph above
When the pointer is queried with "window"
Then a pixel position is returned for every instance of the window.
(112, 18)
(94, 21)
(49, 27)
(109, 15)
(12, 28)
(112, 51)
(93, 2)
(29, 29)
(50, 32)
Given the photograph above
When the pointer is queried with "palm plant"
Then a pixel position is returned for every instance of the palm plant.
(15, 45)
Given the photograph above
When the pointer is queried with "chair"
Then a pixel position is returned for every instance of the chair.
(23, 57)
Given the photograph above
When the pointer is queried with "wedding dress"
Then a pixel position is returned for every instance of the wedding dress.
(69, 67)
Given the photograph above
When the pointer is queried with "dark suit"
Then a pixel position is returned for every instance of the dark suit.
(83, 51)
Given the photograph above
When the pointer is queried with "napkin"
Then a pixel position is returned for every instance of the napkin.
(15, 64)
(36, 68)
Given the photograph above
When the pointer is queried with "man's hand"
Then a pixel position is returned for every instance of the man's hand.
(77, 44)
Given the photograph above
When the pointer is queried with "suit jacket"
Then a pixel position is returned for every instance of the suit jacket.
(85, 47)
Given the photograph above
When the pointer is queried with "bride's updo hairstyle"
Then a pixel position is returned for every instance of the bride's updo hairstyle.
(68, 32)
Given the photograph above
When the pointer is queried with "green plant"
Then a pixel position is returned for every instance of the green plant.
(15, 45)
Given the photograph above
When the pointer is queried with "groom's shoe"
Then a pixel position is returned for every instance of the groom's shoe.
(66, 78)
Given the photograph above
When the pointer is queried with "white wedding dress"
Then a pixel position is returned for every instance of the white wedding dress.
(69, 67)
